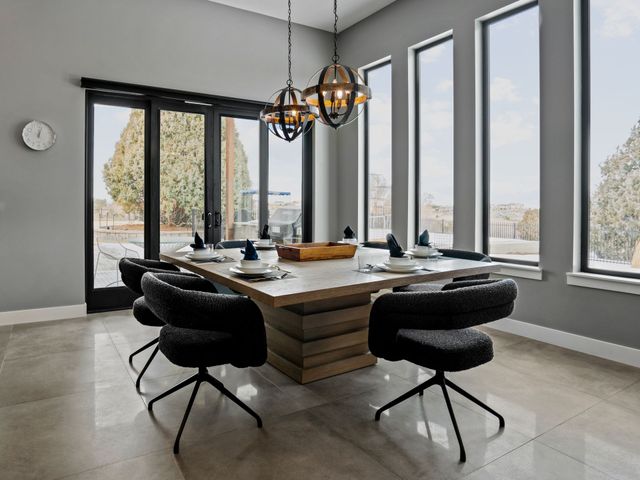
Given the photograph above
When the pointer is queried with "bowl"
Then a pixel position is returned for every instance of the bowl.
(201, 252)
(266, 242)
(253, 264)
(426, 250)
(400, 261)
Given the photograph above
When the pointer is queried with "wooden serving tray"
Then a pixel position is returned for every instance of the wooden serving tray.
(306, 252)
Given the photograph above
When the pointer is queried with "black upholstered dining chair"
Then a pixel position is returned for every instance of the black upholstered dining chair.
(204, 329)
(131, 271)
(375, 244)
(451, 253)
(231, 244)
(433, 330)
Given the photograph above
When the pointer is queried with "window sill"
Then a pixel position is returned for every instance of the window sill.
(604, 282)
(523, 271)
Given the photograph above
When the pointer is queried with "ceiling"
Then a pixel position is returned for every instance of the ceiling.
(312, 13)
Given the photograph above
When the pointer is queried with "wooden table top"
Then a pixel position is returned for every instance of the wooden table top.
(326, 279)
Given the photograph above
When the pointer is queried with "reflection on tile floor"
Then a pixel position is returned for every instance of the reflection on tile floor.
(69, 409)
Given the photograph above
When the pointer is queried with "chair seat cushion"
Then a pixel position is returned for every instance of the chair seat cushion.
(445, 350)
(144, 315)
(187, 347)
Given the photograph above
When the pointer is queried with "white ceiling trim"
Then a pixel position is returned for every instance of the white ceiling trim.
(312, 13)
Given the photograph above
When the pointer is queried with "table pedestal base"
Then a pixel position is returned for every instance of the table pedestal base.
(316, 340)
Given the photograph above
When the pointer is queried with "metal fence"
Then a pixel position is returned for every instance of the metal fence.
(612, 246)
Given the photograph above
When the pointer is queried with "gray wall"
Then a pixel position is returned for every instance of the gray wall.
(46, 46)
(551, 303)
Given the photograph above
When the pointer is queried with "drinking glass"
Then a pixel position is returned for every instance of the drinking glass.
(365, 263)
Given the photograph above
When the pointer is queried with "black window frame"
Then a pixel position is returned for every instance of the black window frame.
(366, 113)
(153, 100)
(486, 134)
(585, 146)
(416, 110)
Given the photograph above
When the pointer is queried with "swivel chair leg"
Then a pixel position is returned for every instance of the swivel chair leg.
(463, 454)
(419, 389)
(176, 445)
(218, 384)
(440, 379)
(146, 365)
(467, 395)
(179, 386)
(143, 348)
(202, 376)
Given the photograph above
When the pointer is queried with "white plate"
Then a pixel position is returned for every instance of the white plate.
(251, 273)
(414, 253)
(394, 269)
(205, 258)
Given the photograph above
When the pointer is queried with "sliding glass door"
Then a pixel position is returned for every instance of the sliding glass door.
(159, 170)
(147, 191)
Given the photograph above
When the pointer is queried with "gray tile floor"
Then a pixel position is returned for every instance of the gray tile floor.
(69, 409)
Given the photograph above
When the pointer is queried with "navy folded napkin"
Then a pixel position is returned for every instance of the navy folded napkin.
(395, 250)
(423, 239)
(349, 233)
(198, 243)
(264, 235)
(250, 252)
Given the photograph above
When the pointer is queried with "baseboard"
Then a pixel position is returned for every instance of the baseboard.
(571, 341)
(42, 314)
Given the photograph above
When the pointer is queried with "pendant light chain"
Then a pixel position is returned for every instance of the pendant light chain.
(336, 57)
(289, 81)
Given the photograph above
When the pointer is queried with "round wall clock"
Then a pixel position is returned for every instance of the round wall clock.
(38, 135)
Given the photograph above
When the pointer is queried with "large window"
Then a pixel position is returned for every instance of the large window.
(378, 152)
(434, 141)
(611, 132)
(511, 154)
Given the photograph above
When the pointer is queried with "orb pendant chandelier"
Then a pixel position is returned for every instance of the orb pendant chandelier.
(286, 115)
(338, 94)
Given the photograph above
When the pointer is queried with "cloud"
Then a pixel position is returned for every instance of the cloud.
(445, 86)
(509, 128)
(437, 115)
(504, 90)
(621, 17)
(432, 54)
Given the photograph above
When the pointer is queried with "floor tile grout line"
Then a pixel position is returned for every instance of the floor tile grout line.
(97, 467)
(499, 457)
(605, 474)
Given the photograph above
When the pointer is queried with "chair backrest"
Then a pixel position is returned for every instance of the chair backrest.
(458, 305)
(187, 302)
(374, 244)
(231, 244)
(467, 255)
(132, 269)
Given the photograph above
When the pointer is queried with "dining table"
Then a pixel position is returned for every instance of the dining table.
(317, 312)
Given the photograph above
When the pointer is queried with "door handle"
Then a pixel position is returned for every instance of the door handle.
(218, 219)
(209, 215)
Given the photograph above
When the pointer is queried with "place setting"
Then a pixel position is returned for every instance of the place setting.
(203, 254)
(398, 260)
(264, 241)
(424, 249)
(253, 269)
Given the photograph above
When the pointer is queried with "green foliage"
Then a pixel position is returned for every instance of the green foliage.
(529, 225)
(615, 205)
(181, 166)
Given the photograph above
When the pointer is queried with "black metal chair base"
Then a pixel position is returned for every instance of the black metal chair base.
(143, 348)
(202, 376)
(440, 379)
